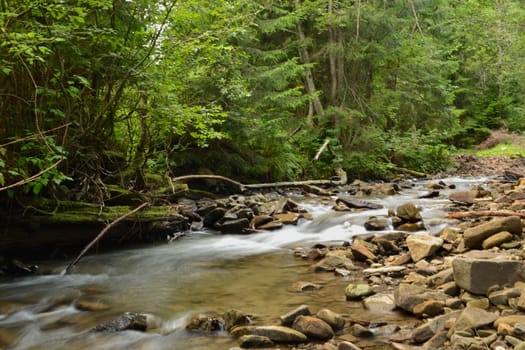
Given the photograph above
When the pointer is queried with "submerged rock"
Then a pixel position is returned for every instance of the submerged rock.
(126, 321)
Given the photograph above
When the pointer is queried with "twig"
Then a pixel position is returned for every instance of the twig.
(32, 178)
(101, 234)
(316, 158)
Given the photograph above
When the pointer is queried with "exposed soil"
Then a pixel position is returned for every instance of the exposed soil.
(471, 165)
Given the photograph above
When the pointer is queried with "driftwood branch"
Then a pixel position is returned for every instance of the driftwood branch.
(339, 180)
(326, 142)
(478, 214)
(101, 234)
(32, 178)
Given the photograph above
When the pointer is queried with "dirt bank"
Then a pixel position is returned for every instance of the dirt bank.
(471, 165)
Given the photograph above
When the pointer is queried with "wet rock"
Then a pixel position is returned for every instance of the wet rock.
(234, 318)
(206, 323)
(473, 318)
(277, 334)
(345, 345)
(288, 318)
(360, 331)
(213, 216)
(430, 194)
(477, 272)
(91, 303)
(356, 291)
(357, 203)
(407, 296)
(409, 212)
(302, 286)
(497, 239)
(272, 225)
(288, 218)
(383, 302)
(313, 327)
(255, 341)
(386, 246)
(259, 220)
(361, 250)
(335, 320)
(234, 226)
(422, 246)
(412, 226)
(375, 223)
(126, 321)
(16, 268)
(474, 237)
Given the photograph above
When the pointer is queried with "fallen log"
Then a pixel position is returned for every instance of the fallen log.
(478, 214)
(340, 179)
(101, 234)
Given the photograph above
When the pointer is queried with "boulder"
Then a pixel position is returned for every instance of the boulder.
(277, 334)
(408, 212)
(422, 246)
(441, 278)
(355, 291)
(259, 220)
(473, 237)
(351, 202)
(335, 320)
(213, 216)
(288, 218)
(313, 327)
(126, 321)
(477, 272)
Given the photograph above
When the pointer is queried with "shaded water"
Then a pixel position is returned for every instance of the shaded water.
(200, 272)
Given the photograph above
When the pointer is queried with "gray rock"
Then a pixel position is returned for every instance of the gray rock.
(422, 246)
(355, 291)
(126, 321)
(288, 318)
(362, 251)
(432, 327)
(360, 331)
(383, 302)
(501, 297)
(313, 327)
(473, 237)
(441, 278)
(351, 202)
(345, 345)
(472, 318)
(234, 318)
(407, 296)
(277, 334)
(477, 272)
(385, 270)
(463, 197)
(429, 308)
(234, 226)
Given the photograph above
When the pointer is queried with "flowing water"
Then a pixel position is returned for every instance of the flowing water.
(200, 272)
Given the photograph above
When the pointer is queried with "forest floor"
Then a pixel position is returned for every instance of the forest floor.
(472, 165)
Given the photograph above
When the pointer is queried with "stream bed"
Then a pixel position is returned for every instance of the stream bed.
(200, 272)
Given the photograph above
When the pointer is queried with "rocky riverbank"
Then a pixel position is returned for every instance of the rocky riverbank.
(463, 288)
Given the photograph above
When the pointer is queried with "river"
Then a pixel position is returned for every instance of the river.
(202, 271)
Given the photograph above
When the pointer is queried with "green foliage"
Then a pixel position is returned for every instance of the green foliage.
(506, 149)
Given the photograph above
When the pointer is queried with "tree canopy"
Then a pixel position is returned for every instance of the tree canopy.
(98, 92)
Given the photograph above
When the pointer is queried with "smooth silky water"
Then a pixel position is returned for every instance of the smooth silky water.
(200, 272)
